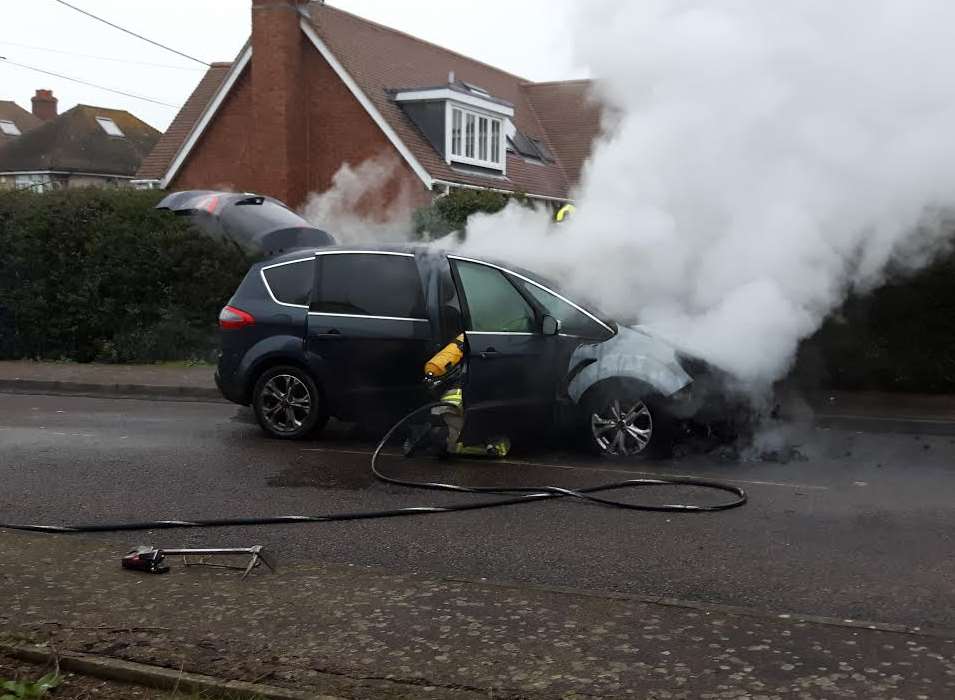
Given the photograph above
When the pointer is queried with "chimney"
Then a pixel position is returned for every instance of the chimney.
(278, 100)
(44, 105)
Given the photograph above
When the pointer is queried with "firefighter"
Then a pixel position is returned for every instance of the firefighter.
(564, 213)
(444, 373)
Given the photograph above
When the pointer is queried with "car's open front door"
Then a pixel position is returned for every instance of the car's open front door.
(507, 387)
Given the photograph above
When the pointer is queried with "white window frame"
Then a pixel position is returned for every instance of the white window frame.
(456, 137)
(111, 128)
(470, 135)
(478, 116)
(9, 127)
(37, 182)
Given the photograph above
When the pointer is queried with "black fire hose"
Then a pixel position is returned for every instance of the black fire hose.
(511, 496)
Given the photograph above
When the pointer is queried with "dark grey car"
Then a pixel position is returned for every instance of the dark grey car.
(345, 332)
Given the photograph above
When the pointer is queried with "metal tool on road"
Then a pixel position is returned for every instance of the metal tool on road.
(152, 559)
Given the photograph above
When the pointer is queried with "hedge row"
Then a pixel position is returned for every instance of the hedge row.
(449, 213)
(899, 338)
(97, 274)
(101, 275)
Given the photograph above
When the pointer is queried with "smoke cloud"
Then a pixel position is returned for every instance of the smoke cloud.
(351, 208)
(760, 160)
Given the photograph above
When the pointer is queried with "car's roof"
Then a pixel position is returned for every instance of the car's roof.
(411, 248)
(300, 253)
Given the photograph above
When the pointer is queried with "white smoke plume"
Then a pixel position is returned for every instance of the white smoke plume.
(764, 158)
(351, 208)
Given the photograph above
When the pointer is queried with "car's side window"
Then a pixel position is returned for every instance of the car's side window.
(369, 284)
(291, 283)
(494, 305)
(572, 320)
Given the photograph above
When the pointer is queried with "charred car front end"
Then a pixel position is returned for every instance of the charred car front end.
(637, 393)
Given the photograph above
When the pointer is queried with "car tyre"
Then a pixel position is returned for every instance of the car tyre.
(625, 420)
(288, 404)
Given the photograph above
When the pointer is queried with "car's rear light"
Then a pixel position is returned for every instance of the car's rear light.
(231, 318)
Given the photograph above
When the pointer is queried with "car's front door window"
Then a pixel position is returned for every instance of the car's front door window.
(493, 304)
(573, 321)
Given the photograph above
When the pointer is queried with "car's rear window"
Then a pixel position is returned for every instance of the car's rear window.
(369, 284)
(291, 283)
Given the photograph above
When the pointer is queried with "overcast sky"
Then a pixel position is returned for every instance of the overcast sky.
(526, 37)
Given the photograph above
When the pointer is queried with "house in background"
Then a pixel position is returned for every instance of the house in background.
(316, 88)
(83, 147)
(16, 121)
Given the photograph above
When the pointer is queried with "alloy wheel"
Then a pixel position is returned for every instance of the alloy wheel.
(286, 403)
(622, 429)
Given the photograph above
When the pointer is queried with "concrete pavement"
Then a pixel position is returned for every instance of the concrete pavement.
(91, 379)
(365, 633)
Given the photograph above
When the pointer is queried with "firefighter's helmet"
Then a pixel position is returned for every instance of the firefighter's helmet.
(565, 212)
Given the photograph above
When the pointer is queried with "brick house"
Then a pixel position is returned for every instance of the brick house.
(85, 146)
(316, 87)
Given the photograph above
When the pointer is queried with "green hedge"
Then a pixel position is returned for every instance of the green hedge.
(97, 274)
(899, 338)
(101, 275)
(450, 212)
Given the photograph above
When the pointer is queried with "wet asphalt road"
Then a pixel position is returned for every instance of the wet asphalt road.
(862, 528)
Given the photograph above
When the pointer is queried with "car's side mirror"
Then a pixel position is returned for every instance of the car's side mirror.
(550, 326)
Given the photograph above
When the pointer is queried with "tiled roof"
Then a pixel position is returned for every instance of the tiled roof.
(75, 142)
(11, 111)
(571, 115)
(381, 59)
(155, 164)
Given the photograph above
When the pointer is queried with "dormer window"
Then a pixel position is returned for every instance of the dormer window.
(109, 126)
(475, 138)
(9, 128)
(463, 122)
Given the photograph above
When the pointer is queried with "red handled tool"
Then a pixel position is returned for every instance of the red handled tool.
(151, 560)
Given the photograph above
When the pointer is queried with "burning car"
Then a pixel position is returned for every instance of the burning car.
(344, 331)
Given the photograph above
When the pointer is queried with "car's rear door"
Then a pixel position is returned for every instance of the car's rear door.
(368, 321)
(507, 376)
